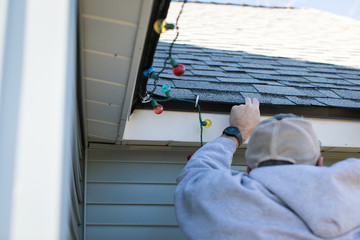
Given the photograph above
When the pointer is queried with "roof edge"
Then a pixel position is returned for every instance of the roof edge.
(265, 109)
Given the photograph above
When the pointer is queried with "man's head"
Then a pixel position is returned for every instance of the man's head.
(284, 137)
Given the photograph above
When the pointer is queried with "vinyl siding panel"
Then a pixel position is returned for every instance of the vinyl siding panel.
(130, 194)
(134, 232)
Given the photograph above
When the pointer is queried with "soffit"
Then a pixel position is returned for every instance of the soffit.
(112, 37)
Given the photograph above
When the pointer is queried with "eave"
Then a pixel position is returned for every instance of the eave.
(114, 40)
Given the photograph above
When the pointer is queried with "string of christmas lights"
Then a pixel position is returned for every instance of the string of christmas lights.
(161, 26)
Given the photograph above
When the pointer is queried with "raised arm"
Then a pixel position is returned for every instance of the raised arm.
(218, 153)
(245, 117)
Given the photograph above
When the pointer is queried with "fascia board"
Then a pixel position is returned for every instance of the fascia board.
(175, 128)
(145, 15)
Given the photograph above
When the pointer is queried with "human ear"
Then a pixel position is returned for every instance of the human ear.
(248, 169)
(320, 162)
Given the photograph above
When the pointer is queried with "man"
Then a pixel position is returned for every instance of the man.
(285, 195)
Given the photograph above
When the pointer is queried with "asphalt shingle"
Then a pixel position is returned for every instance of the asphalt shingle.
(329, 93)
(239, 80)
(218, 96)
(311, 92)
(278, 90)
(347, 94)
(304, 101)
(339, 102)
(209, 73)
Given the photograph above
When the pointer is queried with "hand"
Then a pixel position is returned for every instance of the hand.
(245, 117)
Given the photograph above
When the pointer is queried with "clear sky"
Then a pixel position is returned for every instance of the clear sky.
(348, 8)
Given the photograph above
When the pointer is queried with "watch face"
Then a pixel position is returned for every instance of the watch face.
(232, 130)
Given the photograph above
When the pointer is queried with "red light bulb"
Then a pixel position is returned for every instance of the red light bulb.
(179, 70)
(158, 109)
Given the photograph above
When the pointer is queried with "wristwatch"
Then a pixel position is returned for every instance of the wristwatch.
(235, 132)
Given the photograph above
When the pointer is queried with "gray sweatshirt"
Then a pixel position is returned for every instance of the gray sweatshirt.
(277, 202)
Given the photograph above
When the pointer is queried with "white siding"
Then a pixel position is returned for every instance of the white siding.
(130, 194)
(40, 178)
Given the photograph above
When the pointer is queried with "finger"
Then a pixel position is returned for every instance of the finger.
(247, 101)
(256, 102)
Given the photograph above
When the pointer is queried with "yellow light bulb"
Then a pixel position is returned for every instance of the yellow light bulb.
(160, 26)
(207, 123)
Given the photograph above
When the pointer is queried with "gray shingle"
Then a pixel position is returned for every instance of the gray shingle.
(278, 77)
(205, 67)
(268, 99)
(227, 58)
(217, 63)
(295, 73)
(193, 85)
(209, 73)
(311, 92)
(289, 68)
(328, 80)
(350, 76)
(257, 66)
(182, 57)
(329, 86)
(259, 61)
(196, 78)
(232, 69)
(278, 90)
(356, 82)
(291, 62)
(297, 84)
(325, 75)
(329, 93)
(234, 87)
(304, 101)
(175, 92)
(261, 71)
(348, 94)
(218, 96)
(356, 88)
(323, 70)
(239, 75)
(239, 80)
(161, 82)
(339, 102)
(189, 62)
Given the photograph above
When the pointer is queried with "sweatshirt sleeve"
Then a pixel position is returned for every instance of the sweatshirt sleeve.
(217, 154)
(209, 164)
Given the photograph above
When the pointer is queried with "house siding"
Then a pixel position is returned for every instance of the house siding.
(130, 194)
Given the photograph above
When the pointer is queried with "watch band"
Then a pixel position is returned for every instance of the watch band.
(235, 132)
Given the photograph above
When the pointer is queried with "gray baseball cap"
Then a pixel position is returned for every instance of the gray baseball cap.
(285, 137)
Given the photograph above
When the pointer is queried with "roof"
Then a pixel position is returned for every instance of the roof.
(283, 57)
